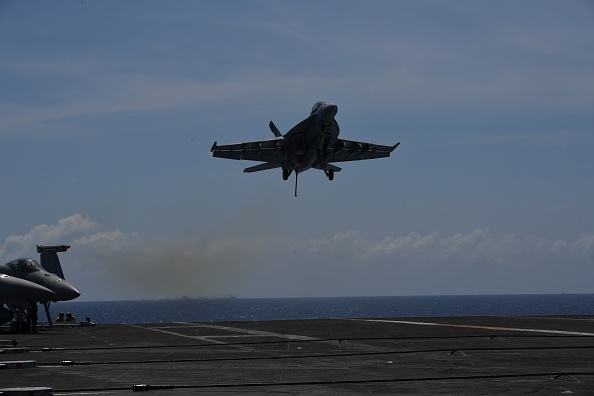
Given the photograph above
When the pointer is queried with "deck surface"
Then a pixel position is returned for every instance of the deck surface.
(438, 356)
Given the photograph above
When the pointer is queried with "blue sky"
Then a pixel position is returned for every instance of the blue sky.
(109, 110)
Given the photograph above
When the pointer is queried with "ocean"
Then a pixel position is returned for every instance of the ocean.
(230, 309)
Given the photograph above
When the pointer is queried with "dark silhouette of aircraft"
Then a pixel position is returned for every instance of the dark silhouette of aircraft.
(44, 283)
(313, 143)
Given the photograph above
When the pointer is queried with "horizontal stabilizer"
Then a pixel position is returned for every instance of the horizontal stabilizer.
(261, 167)
(51, 249)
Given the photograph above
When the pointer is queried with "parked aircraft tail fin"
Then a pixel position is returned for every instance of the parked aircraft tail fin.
(274, 129)
(49, 258)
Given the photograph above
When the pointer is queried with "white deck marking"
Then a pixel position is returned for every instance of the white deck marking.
(249, 331)
(211, 338)
(563, 332)
(201, 338)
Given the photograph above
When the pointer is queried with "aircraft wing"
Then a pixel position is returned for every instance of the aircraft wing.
(270, 150)
(351, 150)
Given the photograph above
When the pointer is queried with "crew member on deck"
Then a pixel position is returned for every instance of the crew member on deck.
(32, 317)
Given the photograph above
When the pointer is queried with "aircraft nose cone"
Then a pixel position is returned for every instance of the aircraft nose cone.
(23, 290)
(65, 291)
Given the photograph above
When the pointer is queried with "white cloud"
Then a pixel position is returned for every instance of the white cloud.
(114, 265)
(585, 244)
(480, 246)
(63, 232)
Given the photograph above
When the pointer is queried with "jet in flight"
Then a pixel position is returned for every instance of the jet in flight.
(48, 275)
(313, 143)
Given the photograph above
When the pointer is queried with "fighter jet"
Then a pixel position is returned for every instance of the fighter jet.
(15, 290)
(49, 275)
(313, 143)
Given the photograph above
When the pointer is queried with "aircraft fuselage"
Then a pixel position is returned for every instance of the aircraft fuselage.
(31, 271)
(16, 289)
(309, 141)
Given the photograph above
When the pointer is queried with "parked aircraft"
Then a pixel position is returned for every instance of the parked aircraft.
(313, 143)
(49, 275)
(16, 290)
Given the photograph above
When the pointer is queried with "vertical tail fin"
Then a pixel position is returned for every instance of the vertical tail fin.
(49, 258)
(274, 129)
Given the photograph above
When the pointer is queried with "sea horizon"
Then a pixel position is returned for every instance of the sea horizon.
(228, 308)
(214, 297)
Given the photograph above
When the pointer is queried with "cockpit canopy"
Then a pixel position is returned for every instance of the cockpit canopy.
(24, 265)
(316, 107)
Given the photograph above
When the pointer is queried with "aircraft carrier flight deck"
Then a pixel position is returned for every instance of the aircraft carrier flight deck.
(424, 356)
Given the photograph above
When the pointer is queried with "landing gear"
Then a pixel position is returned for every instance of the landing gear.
(46, 305)
(330, 174)
(287, 173)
